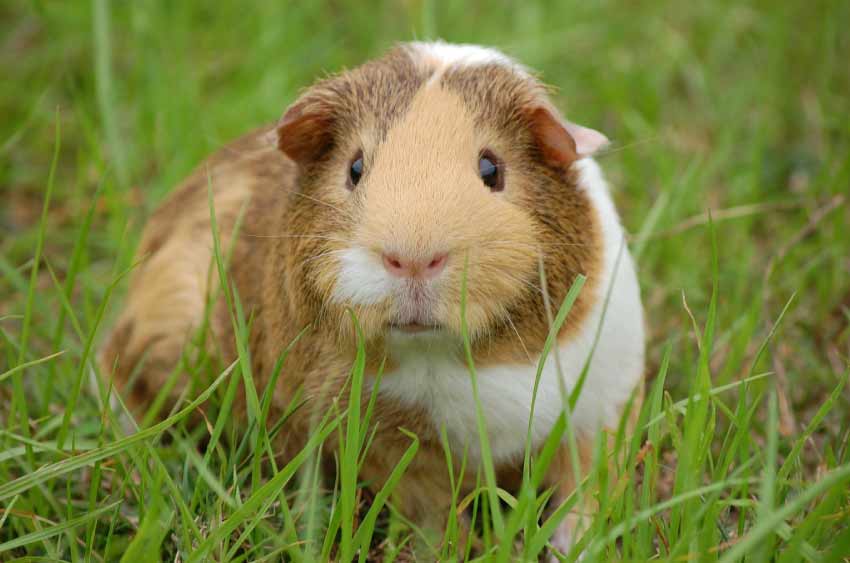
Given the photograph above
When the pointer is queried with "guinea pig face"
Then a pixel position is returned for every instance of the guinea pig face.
(435, 201)
(420, 178)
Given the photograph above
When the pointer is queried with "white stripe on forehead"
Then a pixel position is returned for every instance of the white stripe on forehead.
(461, 54)
(447, 55)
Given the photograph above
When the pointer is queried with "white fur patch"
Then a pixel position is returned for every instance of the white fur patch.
(434, 377)
(451, 54)
(362, 279)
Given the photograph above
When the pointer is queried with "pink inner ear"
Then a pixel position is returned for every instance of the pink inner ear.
(587, 140)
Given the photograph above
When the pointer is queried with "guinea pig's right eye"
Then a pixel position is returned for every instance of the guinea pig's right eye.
(490, 171)
(355, 171)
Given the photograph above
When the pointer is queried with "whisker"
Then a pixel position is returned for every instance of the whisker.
(542, 245)
(322, 255)
(521, 341)
(322, 202)
(288, 235)
(511, 277)
(528, 284)
(571, 244)
(612, 150)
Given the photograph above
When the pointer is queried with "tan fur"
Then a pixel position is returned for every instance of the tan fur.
(420, 194)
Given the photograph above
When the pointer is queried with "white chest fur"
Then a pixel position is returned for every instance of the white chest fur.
(433, 378)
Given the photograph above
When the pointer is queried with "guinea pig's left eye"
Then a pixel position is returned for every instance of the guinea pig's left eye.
(355, 171)
(490, 170)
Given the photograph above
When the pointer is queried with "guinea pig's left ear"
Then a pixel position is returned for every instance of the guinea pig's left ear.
(561, 141)
(304, 131)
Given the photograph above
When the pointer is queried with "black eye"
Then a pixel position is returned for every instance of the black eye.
(490, 170)
(355, 171)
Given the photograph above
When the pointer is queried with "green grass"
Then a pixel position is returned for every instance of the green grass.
(731, 167)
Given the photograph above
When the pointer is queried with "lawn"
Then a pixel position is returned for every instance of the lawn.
(730, 163)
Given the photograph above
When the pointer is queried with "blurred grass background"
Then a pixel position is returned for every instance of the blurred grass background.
(740, 109)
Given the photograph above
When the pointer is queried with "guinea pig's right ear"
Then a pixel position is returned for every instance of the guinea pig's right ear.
(562, 142)
(305, 130)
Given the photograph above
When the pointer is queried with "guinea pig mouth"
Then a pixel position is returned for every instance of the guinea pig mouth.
(414, 327)
(414, 312)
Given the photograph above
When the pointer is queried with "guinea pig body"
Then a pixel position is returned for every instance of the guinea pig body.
(386, 190)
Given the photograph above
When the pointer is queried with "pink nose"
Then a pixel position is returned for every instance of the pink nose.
(404, 268)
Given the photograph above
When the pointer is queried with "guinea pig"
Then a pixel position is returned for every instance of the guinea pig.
(391, 191)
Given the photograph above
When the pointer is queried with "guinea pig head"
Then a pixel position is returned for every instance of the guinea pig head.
(429, 181)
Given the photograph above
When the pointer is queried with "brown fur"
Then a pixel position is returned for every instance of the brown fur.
(420, 191)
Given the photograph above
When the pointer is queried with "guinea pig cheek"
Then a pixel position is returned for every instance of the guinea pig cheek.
(501, 267)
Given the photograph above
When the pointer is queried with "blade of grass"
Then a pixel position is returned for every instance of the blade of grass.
(52, 531)
(794, 455)
(768, 524)
(103, 83)
(234, 306)
(256, 506)
(768, 478)
(486, 454)
(350, 448)
(19, 400)
(366, 530)
(25, 365)
(147, 543)
(52, 470)
(84, 360)
(67, 291)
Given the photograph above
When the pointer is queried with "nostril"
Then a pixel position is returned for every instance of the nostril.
(437, 263)
(395, 266)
